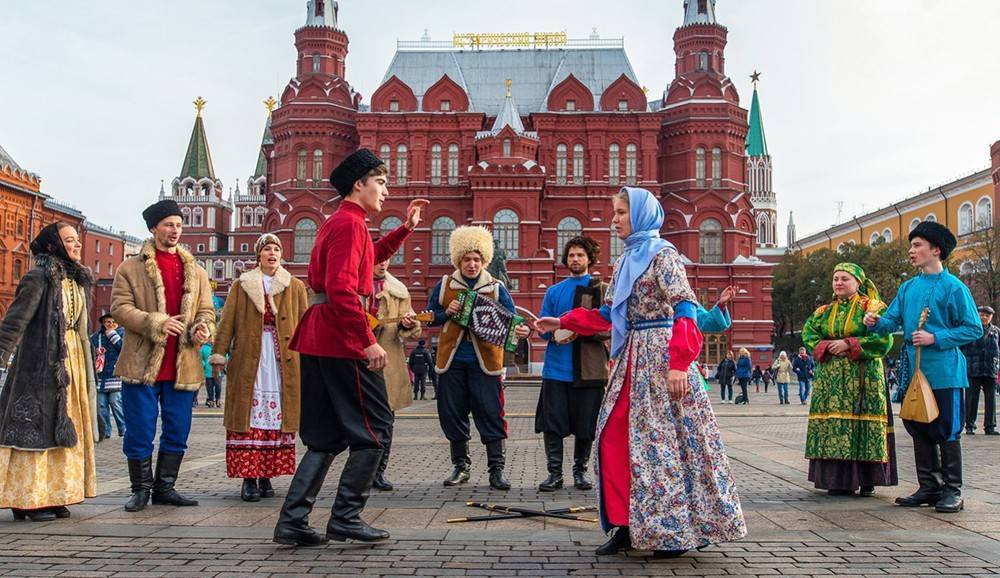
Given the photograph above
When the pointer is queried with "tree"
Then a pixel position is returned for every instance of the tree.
(981, 256)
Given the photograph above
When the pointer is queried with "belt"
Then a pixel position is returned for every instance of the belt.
(318, 299)
(645, 324)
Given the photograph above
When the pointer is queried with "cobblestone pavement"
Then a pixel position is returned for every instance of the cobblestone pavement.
(794, 529)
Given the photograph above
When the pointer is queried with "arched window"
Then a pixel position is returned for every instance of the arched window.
(699, 167)
(965, 219)
(17, 269)
(305, 238)
(247, 217)
(716, 167)
(506, 229)
(931, 217)
(631, 164)
(763, 229)
(390, 224)
(703, 60)
(561, 164)
(185, 217)
(966, 268)
(914, 223)
(566, 230)
(578, 164)
(617, 245)
(383, 155)
(440, 237)
(300, 168)
(197, 217)
(315, 63)
(506, 148)
(887, 235)
(710, 242)
(453, 164)
(401, 165)
(259, 216)
(20, 230)
(436, 164)
(318, 176)
(984, 214)
(875, 239)
(220, 270)
(614, 163)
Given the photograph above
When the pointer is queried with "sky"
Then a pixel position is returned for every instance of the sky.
(864, 102)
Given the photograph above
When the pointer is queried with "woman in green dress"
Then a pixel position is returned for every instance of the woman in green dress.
(850, 443)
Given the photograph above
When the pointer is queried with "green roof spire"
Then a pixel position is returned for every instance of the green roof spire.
(267, 139)
(198, 160)
(756, 144)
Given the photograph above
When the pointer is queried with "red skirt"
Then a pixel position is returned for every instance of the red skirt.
(260, 453)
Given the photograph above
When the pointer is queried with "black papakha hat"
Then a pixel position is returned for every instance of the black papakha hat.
(936, 234)
(354, 167)
(159, 211)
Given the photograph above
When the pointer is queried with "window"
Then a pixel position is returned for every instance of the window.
(453, 164)
(20, 233)
(716, 167)
(111, 269)
(393, 106)
(97, 267)
(320, 8)
(614, 163)
(914, 223)
(247, 217)
(875, 239)
(710, 242)
(440, 237)
(702, 60)
(244, 247)
(186, 217)
(714, 349)
(111, 249)
(570, 105)
(617, 245)
(436, 164)
(515, 285)
(984, 214)
(383, 155)
(401, 168)
(931, 217)
(315, 63)
(699, 167)
(631, 164)
(623, 106)
(318, 176)
(17, 269)
(561, 164)
(305, 238)
(390, 224)
(219, 270)
(506, 148)
(763, 229)
(566, 230)
(97, 245)
(197, 217)
(887, 236)
(445, 105)
(966, 268)
(259, 214)
(965, 219)
(300, 169)
(506, 230)
(578, 164)
(201, 247)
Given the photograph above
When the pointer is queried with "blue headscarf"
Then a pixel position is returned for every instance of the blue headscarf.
(646, 217)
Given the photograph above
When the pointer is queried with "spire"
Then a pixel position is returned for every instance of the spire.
(508, 115)
(699, 12)
(322, 13)
(267, 139)
(791, 230)
(198, 160)
(756, 144)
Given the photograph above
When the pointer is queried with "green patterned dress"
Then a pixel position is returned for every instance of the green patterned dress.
(850, 441)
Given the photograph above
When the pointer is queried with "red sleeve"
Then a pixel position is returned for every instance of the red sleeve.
(820, 353)
(585, 322)
(341, 282)
(388, 245)
(854, 351)
(685, 343)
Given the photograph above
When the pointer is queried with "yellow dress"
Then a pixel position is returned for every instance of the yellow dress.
(31, 480)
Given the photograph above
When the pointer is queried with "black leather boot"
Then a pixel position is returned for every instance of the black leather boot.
(496, 458)
(266, 490)
(951, 467)
(293, 521)
(462, 462)
(928, 462)
(620, 542)
(352, 495)
(380, 482)
(140, 474)
(250, 492)
(581, 462)
(554, 461)
(167, 467)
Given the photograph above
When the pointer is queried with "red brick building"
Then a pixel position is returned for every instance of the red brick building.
(527, 134)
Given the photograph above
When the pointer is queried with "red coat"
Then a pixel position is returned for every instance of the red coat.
(341, 266)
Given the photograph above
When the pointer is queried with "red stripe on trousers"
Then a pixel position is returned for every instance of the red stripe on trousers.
(361, 400)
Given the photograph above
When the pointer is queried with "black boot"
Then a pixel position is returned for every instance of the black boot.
(167, 467)
(951, 468)
(140, 473)
(581, 461)
(293, 521)
(496, 457)
(554, 460)
(266, 490)
(462, 462)
(928, 462)
(380, 482)
(620, 542)
(250, 492)
(352, 495)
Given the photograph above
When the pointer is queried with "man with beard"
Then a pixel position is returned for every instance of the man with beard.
(575, 372)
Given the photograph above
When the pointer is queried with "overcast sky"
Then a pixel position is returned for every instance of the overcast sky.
(864, 101)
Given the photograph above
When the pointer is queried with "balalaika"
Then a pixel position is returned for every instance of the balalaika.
(488, 320)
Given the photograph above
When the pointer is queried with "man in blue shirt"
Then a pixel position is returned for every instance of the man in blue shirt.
(953, 322)
(575, 372)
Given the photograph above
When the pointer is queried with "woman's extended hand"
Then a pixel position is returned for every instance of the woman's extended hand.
(677, 384)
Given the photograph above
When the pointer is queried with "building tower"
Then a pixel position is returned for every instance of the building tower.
(791, 231)
(759, 175)
(251, 206)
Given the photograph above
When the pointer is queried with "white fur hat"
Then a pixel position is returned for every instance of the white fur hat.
(467, 239)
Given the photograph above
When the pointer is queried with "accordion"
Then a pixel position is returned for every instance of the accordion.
(488, 320)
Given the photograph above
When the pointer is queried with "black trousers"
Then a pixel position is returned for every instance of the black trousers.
(344, 405)
(464, 388)
(566, 410)
(988, 386)
(419, 383)
(948, 425)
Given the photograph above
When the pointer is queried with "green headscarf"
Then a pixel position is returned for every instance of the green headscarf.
(866, 286)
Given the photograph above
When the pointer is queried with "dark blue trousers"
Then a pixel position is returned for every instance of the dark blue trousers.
(465, 388)
(142, 405)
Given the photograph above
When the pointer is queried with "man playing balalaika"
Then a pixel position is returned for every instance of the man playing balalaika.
(469, 367)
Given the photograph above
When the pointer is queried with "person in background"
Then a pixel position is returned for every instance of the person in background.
(743, 373)
(803, 367)
(725, 374)
(756, 377)
(983, 356)
(420, 363)
(767, 376)
(782, 376)
(106, 344)
(212, 387)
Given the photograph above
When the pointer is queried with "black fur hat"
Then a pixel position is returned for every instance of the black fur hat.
(936, 234)
(354, 167)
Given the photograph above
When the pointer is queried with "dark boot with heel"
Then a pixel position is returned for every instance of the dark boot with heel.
(554, 461)
(164, 494)
(462, 462)
(293, 521)
(951, 468)
(352, 495)
(928, 463)
(140, 474)
(581, 463)
(496, 459)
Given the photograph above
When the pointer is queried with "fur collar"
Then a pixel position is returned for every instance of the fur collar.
(148, 257)
(394, 287)
(252, 283)
(484, 285)
(58, 269)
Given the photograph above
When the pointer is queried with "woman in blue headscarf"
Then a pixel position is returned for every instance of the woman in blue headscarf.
(664, 482)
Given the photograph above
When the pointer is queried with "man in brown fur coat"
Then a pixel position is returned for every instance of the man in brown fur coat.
(164, 301)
